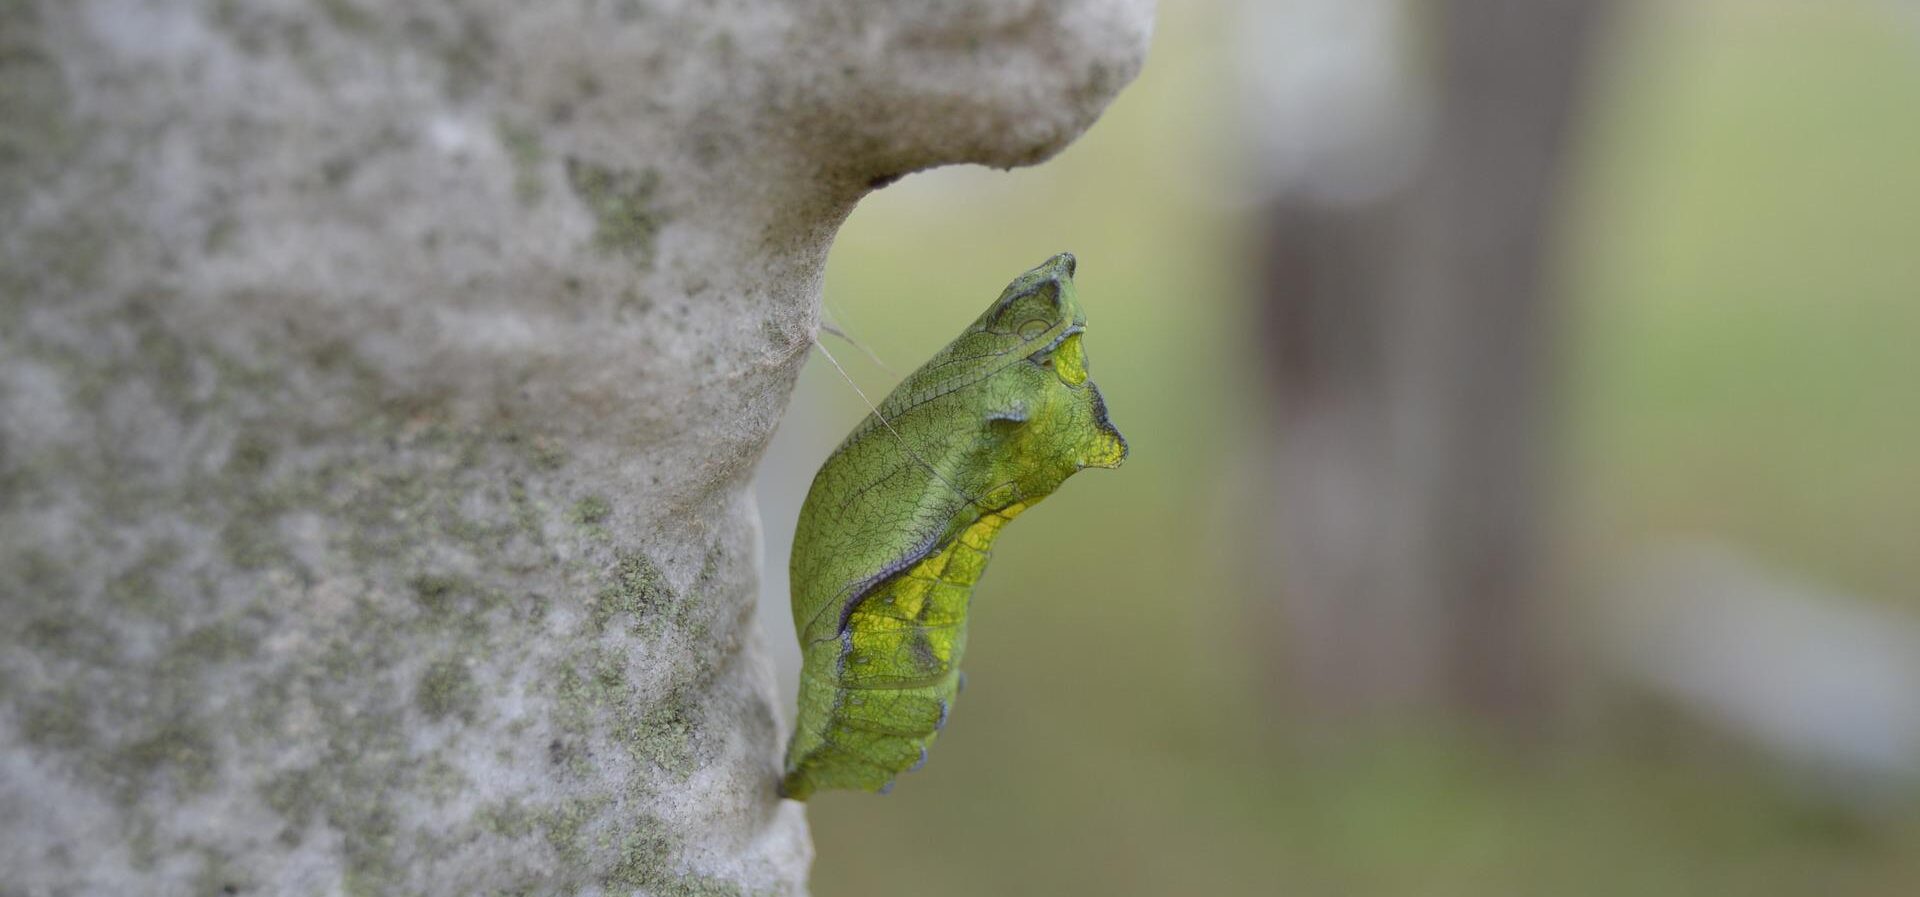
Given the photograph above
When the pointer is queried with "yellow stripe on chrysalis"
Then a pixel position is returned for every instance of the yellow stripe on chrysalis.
(1070, 361)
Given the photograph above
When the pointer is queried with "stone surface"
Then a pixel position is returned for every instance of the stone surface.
(379, 385)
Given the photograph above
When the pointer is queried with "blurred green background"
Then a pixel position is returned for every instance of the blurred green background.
(1740, 264)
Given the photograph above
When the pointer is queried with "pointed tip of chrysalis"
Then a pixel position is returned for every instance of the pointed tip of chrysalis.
(1043, 296)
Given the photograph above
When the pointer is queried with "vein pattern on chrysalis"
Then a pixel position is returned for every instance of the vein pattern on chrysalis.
(901, 519)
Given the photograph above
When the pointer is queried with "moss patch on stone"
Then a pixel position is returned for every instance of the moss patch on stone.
(215, 643)
(435, 593)
(645, 865)
(34, 104)
(592, 509)
(348, 17)
(664, 735)
(179, 752)
(563, 826)
(447, 689)
(622, 203)
(524, 152)
(638, 590)
(57, 723)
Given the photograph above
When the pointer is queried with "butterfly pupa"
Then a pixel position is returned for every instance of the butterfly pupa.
(901, 518)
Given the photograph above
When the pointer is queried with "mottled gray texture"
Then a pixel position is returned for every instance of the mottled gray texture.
(379, 385)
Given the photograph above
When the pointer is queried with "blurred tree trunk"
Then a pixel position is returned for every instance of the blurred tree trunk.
(1412, 336)
(380, 385)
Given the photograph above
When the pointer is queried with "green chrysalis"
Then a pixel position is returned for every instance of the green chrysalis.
(900, 520)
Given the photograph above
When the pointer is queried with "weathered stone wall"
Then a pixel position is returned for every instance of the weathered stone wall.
(379, 384)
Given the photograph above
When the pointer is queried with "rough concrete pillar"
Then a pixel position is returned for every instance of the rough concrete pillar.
(379, 387)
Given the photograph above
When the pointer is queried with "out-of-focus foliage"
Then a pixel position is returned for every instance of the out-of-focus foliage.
(1748, 293)
(1747, 311)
